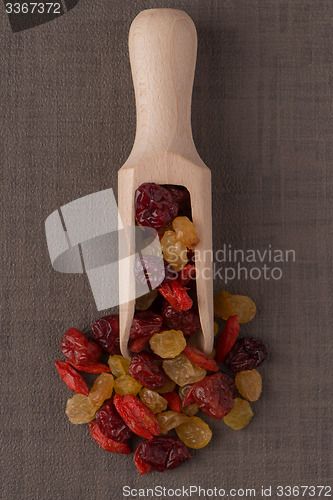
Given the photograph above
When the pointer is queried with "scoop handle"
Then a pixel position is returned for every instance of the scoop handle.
(163, 49)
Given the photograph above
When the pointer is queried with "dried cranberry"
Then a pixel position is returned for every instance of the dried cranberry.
(152, 270)
(163, 452)
(111, 424)
(145, 324)
(186, 274)
(78, 349)
(186, 321)
(106, 332)
(154, 206)
(145, 371)
(247, 353)
(214, 395)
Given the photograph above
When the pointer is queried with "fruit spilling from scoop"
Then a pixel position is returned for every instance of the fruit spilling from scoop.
(158, 394)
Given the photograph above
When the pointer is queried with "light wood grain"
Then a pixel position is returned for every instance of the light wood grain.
(163, 45)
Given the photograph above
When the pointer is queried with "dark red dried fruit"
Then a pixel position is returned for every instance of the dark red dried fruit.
(149, 269)
(106, 332)
(72, 378)
(186, 321)
(154, 206)
(186, 274)
(227, 338)
(145, 324)
(111, 424)
(247, 353)
(106, 443)
(78, 349)
(145, 371)
(142, 467)
(139, 418)
(200, 359)
(163, 452)
(214, 395)
(181, 196)
(173, 400)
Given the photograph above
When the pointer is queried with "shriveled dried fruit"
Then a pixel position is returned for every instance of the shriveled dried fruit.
(182, 371)
(95, 368)
(168, 386)
(227, 338)
(195, 433)
(174, 401)
(106, 443)
(153, 400)
(145, 324)
(80, 410)
(226, 305)
(111, 424)
(170, 419)
(140, 419)
(118, 365)
(181, 196)
(142, 466)
(249, 384)
(247, 353)
(168, 344)
(72, 378)
(174, 251)
(78, 349)
(149, 270)
(240, 415)
(154, 206)
(186, 321)
(176, 295)
(186, 274)
(163, 452)
(145, 301)
(106, 332)
(145, 371)
(125, 384)
(186, 232)
(214, 395)
(102, 389)
(198, 358)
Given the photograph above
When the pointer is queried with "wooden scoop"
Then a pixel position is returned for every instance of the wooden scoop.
(163, 47)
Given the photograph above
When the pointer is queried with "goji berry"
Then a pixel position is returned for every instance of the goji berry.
(140, 419)
(176, 295)
(200, 359)
(107, 443)
(173, 400)
(78, 349)
(96, 368)
(72, 378)
(227, 338)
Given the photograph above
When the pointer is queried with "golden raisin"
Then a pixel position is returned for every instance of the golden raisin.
(240, 415)
(168, 344)
(186, 232)
(145, 301)
(174, 252)
(168, 386)
(102, 389)
(182, 371)
(212, 354)
(125, 384)
(249, 384)
(216, 328)
(80, 410)
(195, 433)
(226, 305)
(153, 400)
(118, 365)
(170, 419)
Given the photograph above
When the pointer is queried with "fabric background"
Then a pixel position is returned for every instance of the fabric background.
(262, 121)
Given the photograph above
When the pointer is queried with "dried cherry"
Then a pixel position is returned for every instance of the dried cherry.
(154, 206)
(111, 424)
(145, 371)
(163, 452)
(106, 332)
(186, 321)
(78, 349)
(247, 353)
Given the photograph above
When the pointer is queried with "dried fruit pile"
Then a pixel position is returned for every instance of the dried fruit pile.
(158, 393)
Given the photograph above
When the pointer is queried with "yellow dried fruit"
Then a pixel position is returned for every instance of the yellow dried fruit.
(182, 371)
(186, 232)
(153, 400)
(195, 433)
(174, 251)
(102, 389)
(145, 301)
(168, 344)
(216, 328)
(249, 384)
(226, 305)
(118, 365)
(192, 409)
(212, 354)
(127, 385)
(240, 415)
(80, 410)
(168, 386)
(170, 419)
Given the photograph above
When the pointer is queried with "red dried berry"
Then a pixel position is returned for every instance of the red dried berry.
(149, 269)
(106, 443)
(200, 359)
(186, 321)
(181, 196)
(186, 274)
(140, 419)
(163, 452)
(227, 338)
(96, 368)
(247, 353)
(142, 467)
(145, 324)
(111, 424)
(214, 395)
(145, 371)
(173, 400)
(106, 332)
(176, 295)
(139, 344)
(72, 378)
(154, 206)
(78, 349)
